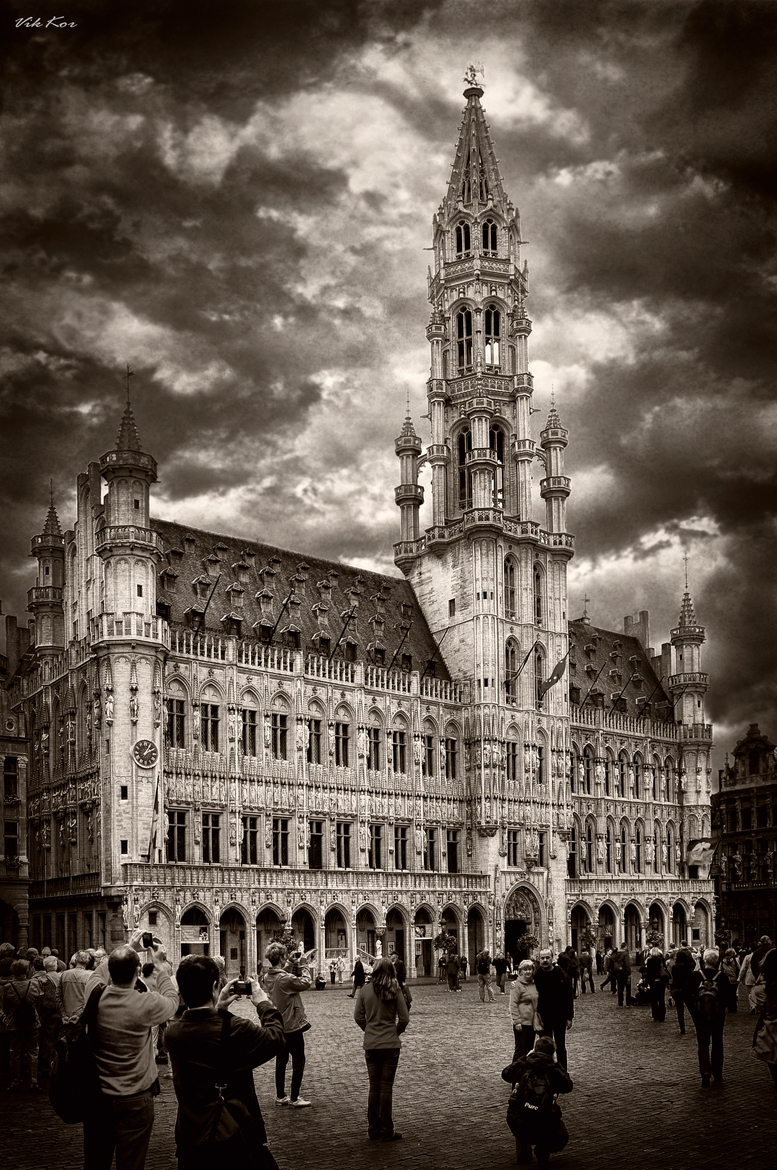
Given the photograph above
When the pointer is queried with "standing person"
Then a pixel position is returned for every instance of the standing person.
(765, 1037)
(483, 970)
(123, 1116)
(442, 964)
(195, 1044)
(452, 971)
(730, 968)
(464, 965)
(340, 968)
(533, 1116)
(332, 971)
(573, 968)
(586, 971)
(599, 962)
(284, 984)
(656, 975)
(620, 967)
(500, 966)
(49, 1013)
(382, 1014)
(358, 976)
(401, 975)
(609, 973)
(765, 944)
(523, 1009)
(747, 980)
(72, 988)
(20, 997)
(707, 996)
(556, 1002)
(682, 969)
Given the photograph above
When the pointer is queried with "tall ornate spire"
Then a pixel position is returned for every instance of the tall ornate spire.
(51, 526)
(475, 179)
(128, 438)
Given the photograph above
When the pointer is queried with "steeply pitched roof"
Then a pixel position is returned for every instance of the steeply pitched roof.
(253, 580)
(614, 658)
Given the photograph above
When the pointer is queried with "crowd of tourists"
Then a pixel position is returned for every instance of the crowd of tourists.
(48, 1006)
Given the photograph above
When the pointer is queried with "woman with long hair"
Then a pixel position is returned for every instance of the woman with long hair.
(381, 1013)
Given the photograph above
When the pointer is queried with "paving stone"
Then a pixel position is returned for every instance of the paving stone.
(637, 1091)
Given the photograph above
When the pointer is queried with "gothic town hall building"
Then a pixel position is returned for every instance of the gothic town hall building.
(223, 738)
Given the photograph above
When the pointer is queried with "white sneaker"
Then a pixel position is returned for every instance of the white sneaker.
(283, 1101)
(300, 1104)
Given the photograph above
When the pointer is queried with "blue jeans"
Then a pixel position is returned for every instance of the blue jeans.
(122, 1124)
(381, 1069)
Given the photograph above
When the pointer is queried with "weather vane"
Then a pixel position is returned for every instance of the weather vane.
(685, 558)
(129, 374)
(586, 599)
(470, 77)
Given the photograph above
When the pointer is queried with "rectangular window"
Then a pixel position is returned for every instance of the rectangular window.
(451, 752)
(124, 791)
(512, 761)
(314, 742)
(747, 819)
(123, 847)
(452, 607)
(761, 815)
(453, 850)
(513, 839)
(280, 737)
(280, 836)
(376, 847)
(176, 835)
(427, 759)
(316, 846)
(248, 732)
(209, 715)
(10, 778)
(543, 851)
(399, 750)
(175, 722)
(373, 749)
(430, 850)
(342, 753)
(400, 847)
(211, 849)
(249, 846)
(140, 590)
(11, 839)
(343, 845)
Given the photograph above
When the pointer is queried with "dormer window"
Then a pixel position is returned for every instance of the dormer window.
(489, 236)
(493, 336)
(462, 239)
(464, 339)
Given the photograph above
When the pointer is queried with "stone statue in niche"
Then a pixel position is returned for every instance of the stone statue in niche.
(600, 848)
(633, 852)
(157, 707)
(134, 706)
(618, 852)
(649, 851)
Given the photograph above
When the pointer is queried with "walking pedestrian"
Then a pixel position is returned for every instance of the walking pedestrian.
(682, 969)
(20, 998)
(765, 1037)
(556, 1002)
(464, 965)
(656, 976)
(286, 979)
(452, 971)
(483, 971)
(500, 966)
(442, 964)
(358, 976)
(586, 971)
(747, 980)
(620, 967)
(382, 1014)
(730, 968)
(523, 1009)
(707, 995)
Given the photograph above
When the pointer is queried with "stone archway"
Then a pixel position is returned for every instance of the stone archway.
(523, 920)
(423, 927)
(606, 927)
(336, 934)
(232, 942)
(657, 923)
(366, 934)
(580, 922)
(632, 924)
(396, 934)
(195, 932)
(679, 925)
(304, 927)
(476, 933)
(269, 928)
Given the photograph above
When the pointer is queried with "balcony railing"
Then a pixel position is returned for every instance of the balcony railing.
(256, 877)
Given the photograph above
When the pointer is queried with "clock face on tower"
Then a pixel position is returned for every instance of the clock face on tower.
(145, 753)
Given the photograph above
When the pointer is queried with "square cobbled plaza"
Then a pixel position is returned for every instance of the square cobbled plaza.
(637, 1095)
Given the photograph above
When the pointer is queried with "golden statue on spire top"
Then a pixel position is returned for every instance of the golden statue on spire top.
(470, 77)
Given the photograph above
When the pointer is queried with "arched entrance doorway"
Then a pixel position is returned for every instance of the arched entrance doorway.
(335, 935)
(394, 938)
(366, 938)
(195, 932)
(580, 924)
(657, 923)
(423, 941)
(232, 935)
(450, 925)
(606, 928)
(633, 926)
(476, 934)
(9, 925)
(304, 928)
(269, 928)
(700, 925)
(522, 923)
(679, 925)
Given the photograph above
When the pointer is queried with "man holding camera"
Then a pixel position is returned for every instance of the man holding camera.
(123, 1116)
(284, 981)
(210, 1047)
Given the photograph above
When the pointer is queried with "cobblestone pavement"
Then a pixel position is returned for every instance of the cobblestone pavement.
(637, 1091)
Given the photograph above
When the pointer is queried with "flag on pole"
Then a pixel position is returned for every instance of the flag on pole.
(700, 852)
(558, 671)
(154, 822)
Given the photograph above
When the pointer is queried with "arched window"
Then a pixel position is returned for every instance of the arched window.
(511, 670)
(589, 847)
(572, 853)
(462, 239)
(489, 236)
(493, 336)
(496, 441)
(539, 608)
(608, 848)
(588, 771)
(623, 779)
(608, 762)
(637, 778)
(465, 476)
(638, 849)
(539, 675)
(655, 779)
(540, 763)
(464, 338)
(509, 587)
(669, 850)
(624, 849)
(574, 770)
(669, 780)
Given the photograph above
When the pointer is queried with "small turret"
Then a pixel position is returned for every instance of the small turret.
(409, 495)
(45, 599)
(555, 488)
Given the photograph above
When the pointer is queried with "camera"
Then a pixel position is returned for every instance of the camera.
(147, 939)
(242, 987)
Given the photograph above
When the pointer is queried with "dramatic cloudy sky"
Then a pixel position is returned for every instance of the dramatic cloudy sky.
(235, 198)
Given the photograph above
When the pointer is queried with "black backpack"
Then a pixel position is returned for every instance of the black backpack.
(532, 1099)
(708, 1000)
(74, 1083)
(24, 1017)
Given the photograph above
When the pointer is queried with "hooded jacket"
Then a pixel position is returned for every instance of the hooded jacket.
(283, 988)
(560, 1080)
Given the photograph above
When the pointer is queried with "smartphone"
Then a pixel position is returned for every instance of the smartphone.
(147, 939)
(242, 987)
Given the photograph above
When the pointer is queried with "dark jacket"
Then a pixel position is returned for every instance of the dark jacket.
(692, 993)
(620, 960)
(556, 1002)
(500, 966)
(453, 965)
(560, 1080)
(357, 974)
(194, 1043)
(682, 969)
(655, 969)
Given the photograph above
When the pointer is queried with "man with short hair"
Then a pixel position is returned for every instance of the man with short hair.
(123, 1116)
(194, 1043)
(620, 968)
(49, 1013)
(707, 995)
(284, 982)
(555, 1005)
(72, 988)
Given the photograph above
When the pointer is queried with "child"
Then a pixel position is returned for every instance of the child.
(532, 1113)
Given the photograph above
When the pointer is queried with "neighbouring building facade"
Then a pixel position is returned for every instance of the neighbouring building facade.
(227, 738)
(744, 811)
(14, 868)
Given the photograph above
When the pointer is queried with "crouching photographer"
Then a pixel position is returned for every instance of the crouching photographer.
(213, 1054)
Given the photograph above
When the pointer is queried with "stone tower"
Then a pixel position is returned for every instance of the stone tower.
(688, 686)
(490, 576)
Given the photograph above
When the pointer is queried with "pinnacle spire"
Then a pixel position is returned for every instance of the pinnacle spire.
(553, 415)
(475, 178)
(687, 613)
(128, 438)
(51, 526)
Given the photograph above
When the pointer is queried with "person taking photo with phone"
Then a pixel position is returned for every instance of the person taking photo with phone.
(284, 982)
(213, 1055)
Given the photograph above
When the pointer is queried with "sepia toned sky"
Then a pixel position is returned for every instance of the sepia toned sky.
(235, 199)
